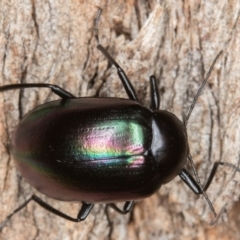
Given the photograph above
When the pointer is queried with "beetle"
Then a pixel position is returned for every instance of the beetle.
(107, 150)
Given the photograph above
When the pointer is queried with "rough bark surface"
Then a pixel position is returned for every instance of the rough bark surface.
(52, 41)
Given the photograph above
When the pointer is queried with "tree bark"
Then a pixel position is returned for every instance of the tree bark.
(52, 41)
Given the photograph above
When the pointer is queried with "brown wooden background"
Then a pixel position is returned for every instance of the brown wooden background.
(52, 41)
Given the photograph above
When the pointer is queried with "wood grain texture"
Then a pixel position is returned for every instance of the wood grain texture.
(52, 41)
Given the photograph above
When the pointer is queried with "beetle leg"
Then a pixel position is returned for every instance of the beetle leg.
(190, 181)
(214, 171)
(192, 184)
(196, 187)
(155, 99)
(126, 209)
(56, 89)
(83, 213)
(122, 75)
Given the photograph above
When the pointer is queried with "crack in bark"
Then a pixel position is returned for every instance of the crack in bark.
(137, 10)
(211, 124)
(7, 147)
(35, 224)
(20, 106)
(34, 17)
(110, 223)
(7, 167)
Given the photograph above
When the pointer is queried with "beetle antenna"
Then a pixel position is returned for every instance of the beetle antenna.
(185, 124)
(200, 89)
(96, 25)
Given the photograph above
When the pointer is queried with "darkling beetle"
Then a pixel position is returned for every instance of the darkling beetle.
(107, 150)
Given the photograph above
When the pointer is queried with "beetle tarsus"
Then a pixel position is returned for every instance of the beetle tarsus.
(55, 89)
(214, 171)
(3, 224)
(83, 213)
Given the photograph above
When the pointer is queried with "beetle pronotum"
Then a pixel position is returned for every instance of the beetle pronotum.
(63, 147)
